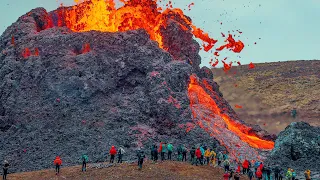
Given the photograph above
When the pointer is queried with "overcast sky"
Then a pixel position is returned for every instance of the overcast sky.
(283, 29)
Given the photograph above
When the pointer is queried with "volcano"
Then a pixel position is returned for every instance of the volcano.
(80, 79)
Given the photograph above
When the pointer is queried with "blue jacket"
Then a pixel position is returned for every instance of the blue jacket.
(202, 151)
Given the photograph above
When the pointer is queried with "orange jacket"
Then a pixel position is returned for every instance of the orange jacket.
(113, 151)
(57, 161)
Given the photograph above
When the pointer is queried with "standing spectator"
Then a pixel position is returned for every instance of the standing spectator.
(120, 154)
(184, 153)
(207, 155)
(226, 164)
(57, 162)
(84, 159)
(192, 154)
(250, 174)
(5, 169)
(170, 150)
(198, 155)
(141, 156)
(220, 158)
(112, 152)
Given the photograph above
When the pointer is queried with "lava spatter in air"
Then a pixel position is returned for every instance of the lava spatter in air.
(251, 66)
(235, 46)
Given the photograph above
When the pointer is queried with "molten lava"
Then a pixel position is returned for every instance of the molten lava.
(102, 15)
(198, 95)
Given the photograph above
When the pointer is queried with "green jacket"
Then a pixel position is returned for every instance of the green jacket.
(85, 158)
(289, 174)
(170, 147)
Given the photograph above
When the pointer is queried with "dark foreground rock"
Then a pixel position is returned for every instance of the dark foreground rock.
(297, 147)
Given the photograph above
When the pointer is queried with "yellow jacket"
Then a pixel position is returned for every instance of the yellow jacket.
(308, 174)
(213, 154)
(207, 153)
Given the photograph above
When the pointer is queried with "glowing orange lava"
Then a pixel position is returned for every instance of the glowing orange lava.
(240, 130)
(102, 15)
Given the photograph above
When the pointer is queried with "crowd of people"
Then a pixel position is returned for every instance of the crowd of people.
(200, 155)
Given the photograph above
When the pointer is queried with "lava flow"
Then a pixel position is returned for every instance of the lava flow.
(227, 131)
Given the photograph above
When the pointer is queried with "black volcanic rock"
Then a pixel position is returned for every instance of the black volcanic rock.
(87, 91)
(297, 147)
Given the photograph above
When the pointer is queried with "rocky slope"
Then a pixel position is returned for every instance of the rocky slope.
(297, 147)
(268, 92)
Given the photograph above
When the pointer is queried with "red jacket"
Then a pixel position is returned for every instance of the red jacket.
(226, 176)
(245, 164)
(57, 161)
(238, 169)
(198, 153)
(261, 167)
(113, 151)
(160, 148)
(259, 173)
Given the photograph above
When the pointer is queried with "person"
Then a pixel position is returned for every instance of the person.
(170, 149)
(152, 152)
(141, 156)
(220, 158)
(198, 155)
(57, 162)
(184, 153)
(245, 166)
(226, 164)
(84, 159)
(120, 154)
(155, 154)
(294, 112)
(213, 157)
(238, 169)
(225, 156)
(259, 174)
(289, 174)
(5, 169)
(281, 175)
(207, 155)
(192, 155)
(268, 173)
(231, 174)
(276, 173)
(293, 174)
(250, 174)
(256, 166)
(307, 174)
(163, 151)
(226, 175)
(236, 176)
(112, 153)
(179, 150)
(202, 155)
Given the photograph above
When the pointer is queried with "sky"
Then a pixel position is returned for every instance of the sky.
(282, 29)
